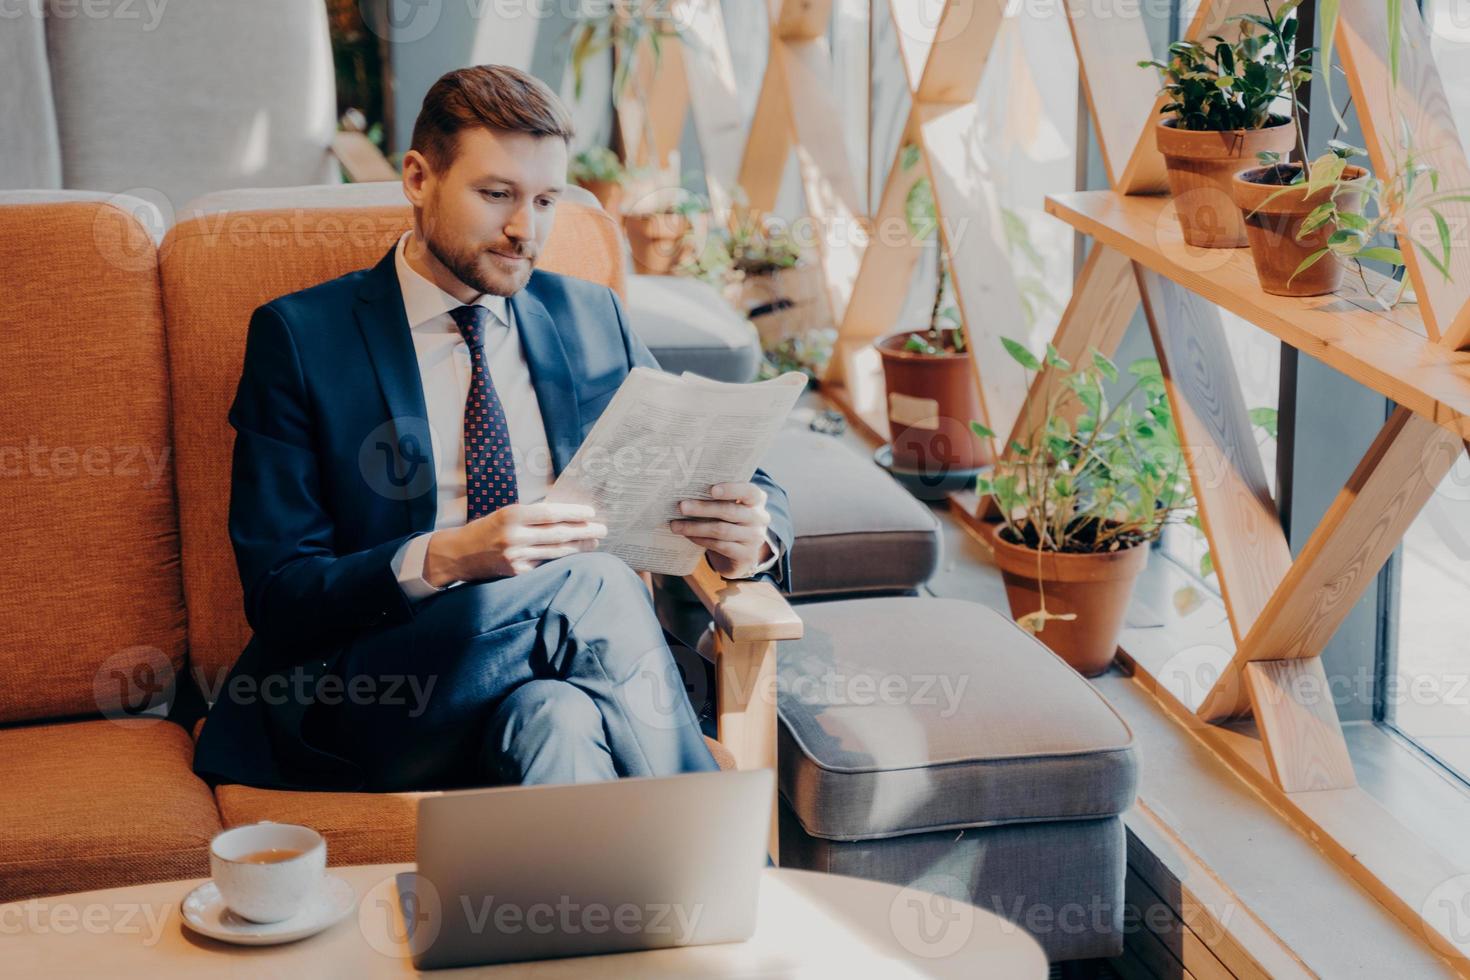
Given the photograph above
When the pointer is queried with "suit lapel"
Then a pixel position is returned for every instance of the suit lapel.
(551, 375)
(384, 325)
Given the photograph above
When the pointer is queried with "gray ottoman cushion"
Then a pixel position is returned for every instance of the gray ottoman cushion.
(905, 715)
(688, 326)
(856, 529)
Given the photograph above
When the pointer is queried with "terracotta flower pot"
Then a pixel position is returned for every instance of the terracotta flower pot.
(1273, 224)
(657, 241)
(1201, 165)
(1096, 587)
(931, 400)
(609, 194)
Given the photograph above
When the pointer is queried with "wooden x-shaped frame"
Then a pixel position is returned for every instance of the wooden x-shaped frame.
(1282, 611)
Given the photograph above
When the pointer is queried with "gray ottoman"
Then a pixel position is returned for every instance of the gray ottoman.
(687, 326)
(857, 530)
(933, 742)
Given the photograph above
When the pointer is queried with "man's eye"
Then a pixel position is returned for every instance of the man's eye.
(495, 194)
(547, 202)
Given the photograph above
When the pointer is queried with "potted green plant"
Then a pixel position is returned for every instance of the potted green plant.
(662, 229)
(760, 270)
(1219, 119)
(599, 170)
(927, 375)
(1307, 219)
(1080, 497)
(1297, 214)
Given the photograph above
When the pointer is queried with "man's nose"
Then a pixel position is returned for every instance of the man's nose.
(518, 225)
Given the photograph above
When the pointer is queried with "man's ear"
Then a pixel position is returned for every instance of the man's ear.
(416, 175)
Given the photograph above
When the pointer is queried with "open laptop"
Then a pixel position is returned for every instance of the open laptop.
(536, 872)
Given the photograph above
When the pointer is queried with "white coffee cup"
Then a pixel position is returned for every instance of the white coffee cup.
(267, 891)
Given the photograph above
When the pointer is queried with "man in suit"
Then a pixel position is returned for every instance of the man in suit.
(421, 617)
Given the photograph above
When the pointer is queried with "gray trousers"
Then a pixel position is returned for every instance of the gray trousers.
(559, 675)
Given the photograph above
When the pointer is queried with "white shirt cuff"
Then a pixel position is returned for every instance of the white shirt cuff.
(408, 568)
(769, 562)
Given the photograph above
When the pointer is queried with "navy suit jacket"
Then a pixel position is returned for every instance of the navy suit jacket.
(333, 473)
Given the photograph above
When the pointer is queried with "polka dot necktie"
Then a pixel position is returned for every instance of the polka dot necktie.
(489, 468)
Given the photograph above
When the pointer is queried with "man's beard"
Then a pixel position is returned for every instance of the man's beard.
(465, 264)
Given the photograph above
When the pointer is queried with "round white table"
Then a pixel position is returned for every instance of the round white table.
(809, 925)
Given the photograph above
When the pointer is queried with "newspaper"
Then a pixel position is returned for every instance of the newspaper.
(666, 438)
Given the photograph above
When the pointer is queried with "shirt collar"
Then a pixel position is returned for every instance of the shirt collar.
(423, 301)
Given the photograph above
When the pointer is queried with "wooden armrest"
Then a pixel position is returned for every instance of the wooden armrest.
(363, 161)
(744, 611)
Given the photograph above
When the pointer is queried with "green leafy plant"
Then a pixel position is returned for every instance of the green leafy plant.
(597, 163)
(1036, 293)
(1092, 475)
(946, 329)
(1412, 184)
(1229, 85)
(808, 353)
(753, 244)
(622, 26)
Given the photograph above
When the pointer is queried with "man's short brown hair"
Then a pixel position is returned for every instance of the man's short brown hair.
(495, 97)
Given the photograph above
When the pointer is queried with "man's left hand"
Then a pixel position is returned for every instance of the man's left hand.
(731, 528)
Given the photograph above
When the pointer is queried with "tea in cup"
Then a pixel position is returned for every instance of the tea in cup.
(266, 872)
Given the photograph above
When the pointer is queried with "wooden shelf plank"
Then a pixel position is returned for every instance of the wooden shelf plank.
(1387, 351)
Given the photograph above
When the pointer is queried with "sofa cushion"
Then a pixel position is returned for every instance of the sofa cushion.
(208, 95)
(856, 529)
(688, 326)
(217, 267)
(89, 585)
(904, 715)
(360, 828)
(98, 804)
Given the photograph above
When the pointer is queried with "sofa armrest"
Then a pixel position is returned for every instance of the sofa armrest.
(745, 611)
(751, 618)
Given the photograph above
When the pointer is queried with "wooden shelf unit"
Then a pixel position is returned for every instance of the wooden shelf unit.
(1388, 351)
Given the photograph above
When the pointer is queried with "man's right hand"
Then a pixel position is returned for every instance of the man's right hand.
(513, 540)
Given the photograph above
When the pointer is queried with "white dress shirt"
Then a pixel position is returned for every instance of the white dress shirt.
(446, 372)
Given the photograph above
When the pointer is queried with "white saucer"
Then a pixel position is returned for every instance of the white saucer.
(204, 910)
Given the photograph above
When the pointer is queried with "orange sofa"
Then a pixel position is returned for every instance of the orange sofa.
(118, 359)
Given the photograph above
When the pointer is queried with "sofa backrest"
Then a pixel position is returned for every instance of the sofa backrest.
(217, 267)
(90, 589)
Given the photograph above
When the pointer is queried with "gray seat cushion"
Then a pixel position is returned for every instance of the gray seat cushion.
(905, 715)
(198, 97)
(688, 326)
(30, 154)
(857, 530)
